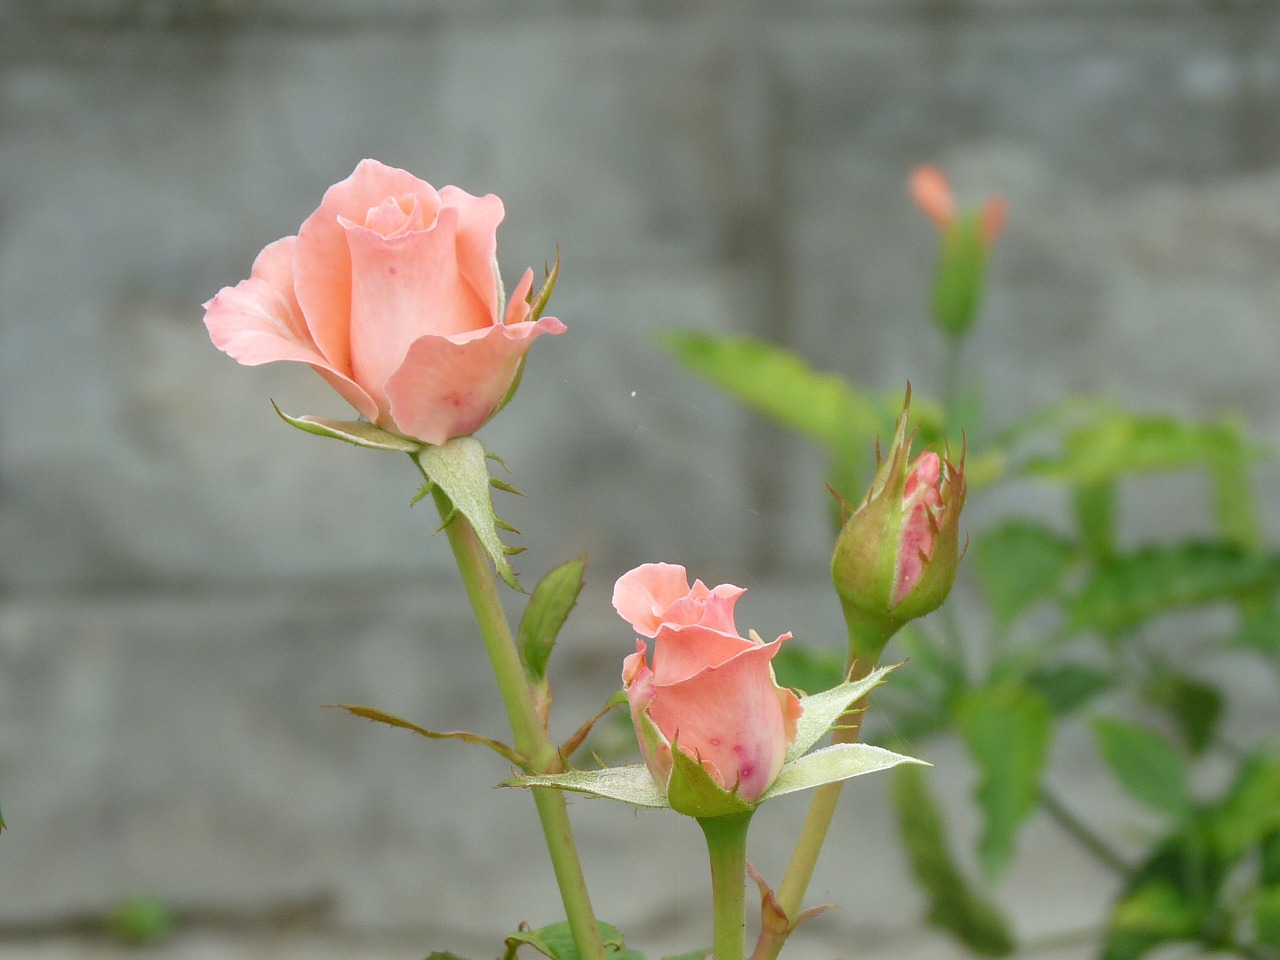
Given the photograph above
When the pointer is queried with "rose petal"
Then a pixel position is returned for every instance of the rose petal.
(449, 386)
(729, 716)
(518, 305)
(642, 595)
(402, 289)
(929, 188)
(681, 650)
(259, 321)
(478, 219)
(323, 261)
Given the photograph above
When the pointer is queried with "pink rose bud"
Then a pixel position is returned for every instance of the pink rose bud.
(896, 557)
(967, 237)
(710, 693)
(390, 291)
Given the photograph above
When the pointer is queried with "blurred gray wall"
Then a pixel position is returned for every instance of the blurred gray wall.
(184, 580)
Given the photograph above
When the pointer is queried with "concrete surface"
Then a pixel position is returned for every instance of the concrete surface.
(184, 581)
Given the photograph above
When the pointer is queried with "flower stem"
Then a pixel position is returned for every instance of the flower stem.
(531, 739)
(727, 845)
(863, 636)
(1076, 829)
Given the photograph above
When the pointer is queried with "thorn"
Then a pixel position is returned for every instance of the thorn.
(422, 493)
(504, 486)
(511, 551)
(506, 526)
(497, 459)
(448, 519)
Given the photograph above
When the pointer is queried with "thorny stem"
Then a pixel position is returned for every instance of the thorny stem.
(531, 739)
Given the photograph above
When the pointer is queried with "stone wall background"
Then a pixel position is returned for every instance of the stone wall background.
(183, 580)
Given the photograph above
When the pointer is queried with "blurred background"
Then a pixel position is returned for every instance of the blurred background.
(184, 581)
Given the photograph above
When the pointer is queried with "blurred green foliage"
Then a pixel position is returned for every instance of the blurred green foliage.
(1074, 617)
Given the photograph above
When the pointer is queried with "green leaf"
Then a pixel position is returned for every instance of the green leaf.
(1020, 563)
(1116, 444)
(1154, 913)
(358, 432)
(1133, 588)
(1146, 764)
(803, 668)
(1069, 686)
(443, 955)
(631, 784)
(1250, 812)
(778, 384)
(391, 720)
(1269, 871)
(953, 903)
(548, 609)
(142, 921)
(556, 942)
(1193, 706)
(1266, 917)
(1261, 631)
(1094, 506)
(831, 764)
(1006, 729)
(460, 470)
(822, 710)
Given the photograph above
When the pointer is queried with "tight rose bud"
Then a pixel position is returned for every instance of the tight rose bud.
(896, 557)
(967, 237)
(390, 291)
(710, 693)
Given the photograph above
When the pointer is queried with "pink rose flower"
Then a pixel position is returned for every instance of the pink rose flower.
(930, 190)
(710, 691)
(390, 291)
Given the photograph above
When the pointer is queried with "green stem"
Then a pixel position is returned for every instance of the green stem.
(531, 739)
(727, 844)
(1082, 834)
(951, 377)
(864, 636)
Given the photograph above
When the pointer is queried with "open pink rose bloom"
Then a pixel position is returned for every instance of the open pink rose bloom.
(710, 691)
(390, 291)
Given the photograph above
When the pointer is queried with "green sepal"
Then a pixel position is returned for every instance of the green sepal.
(539, 302)
(391, 720)
(548, 609)
(832, 764)
(823, 710)
(692, 790)
(957, 286)
(362, 433)
(536, 305)
(459, 469)
(631, 783)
